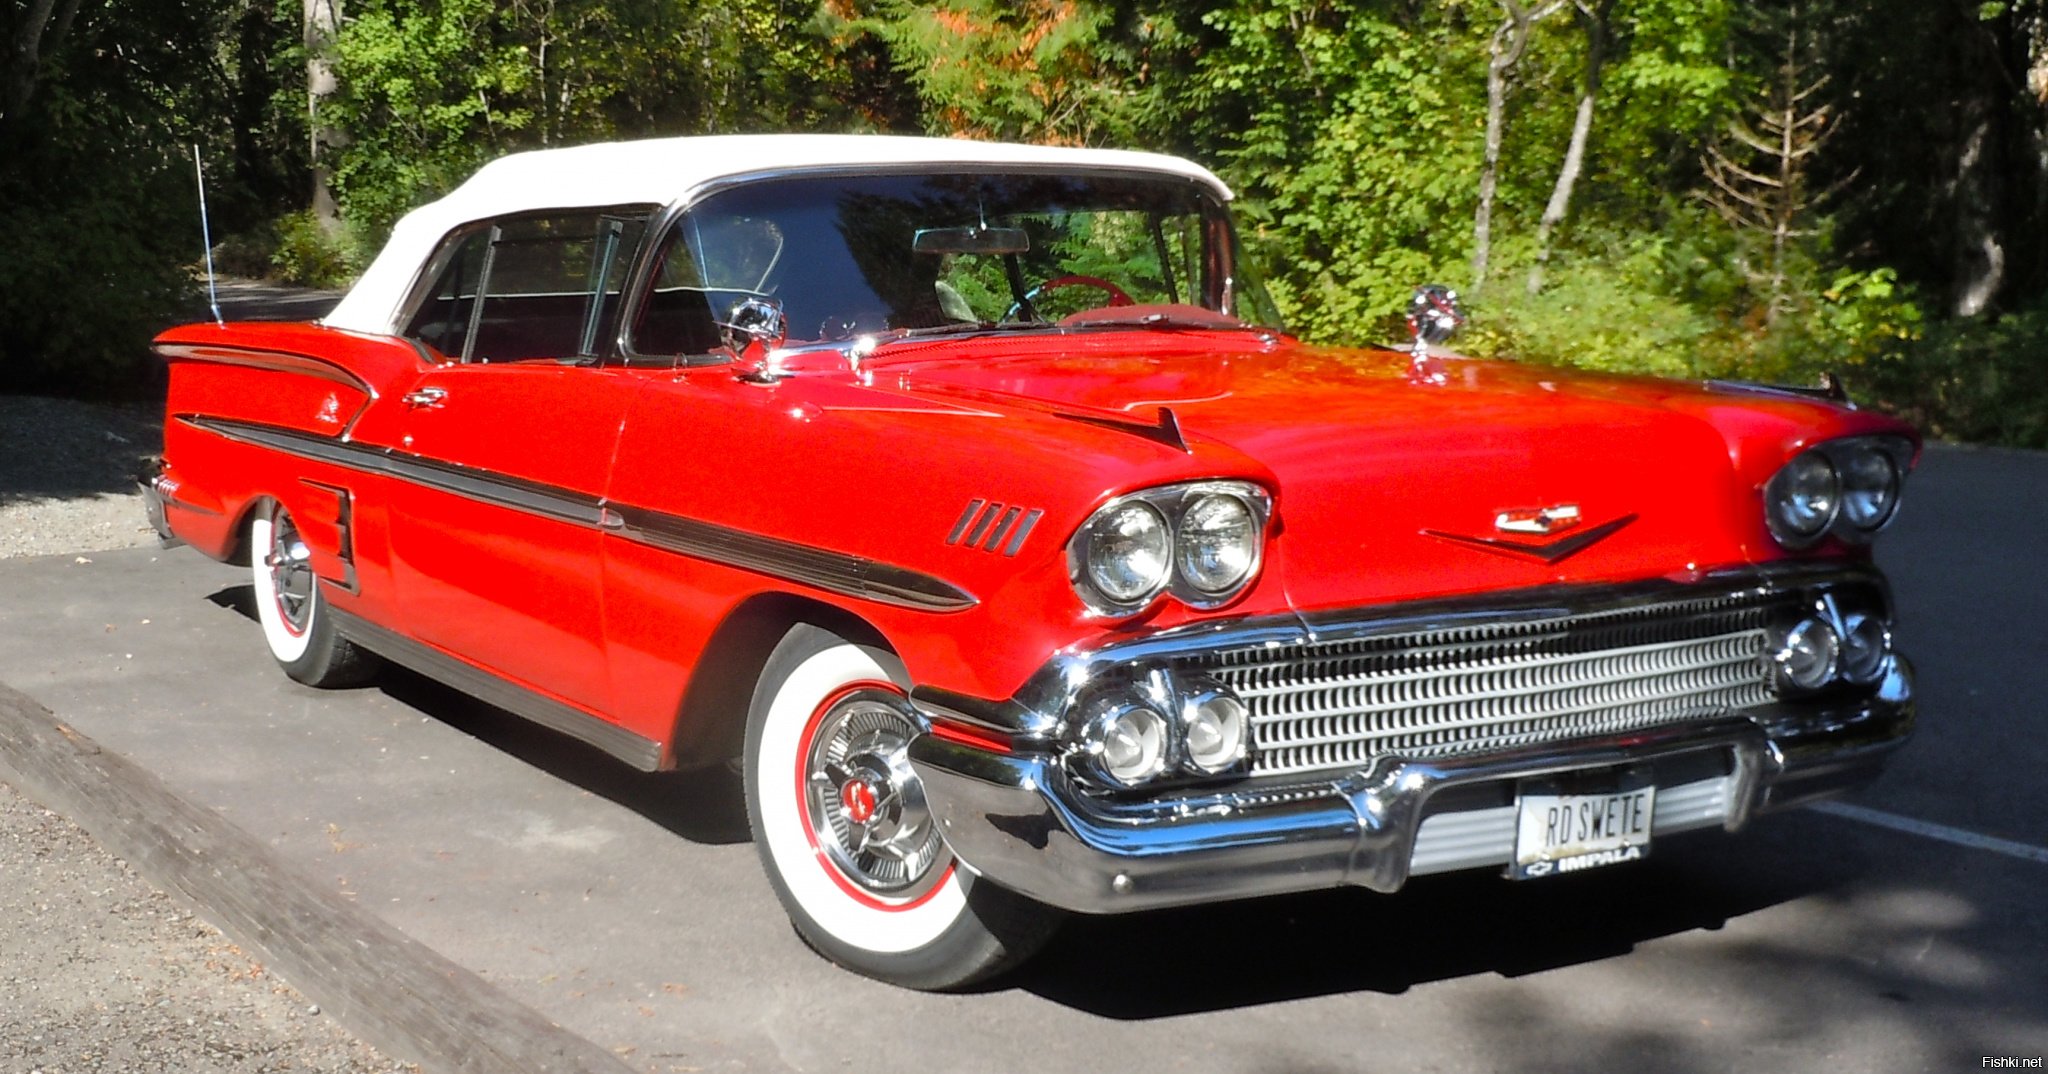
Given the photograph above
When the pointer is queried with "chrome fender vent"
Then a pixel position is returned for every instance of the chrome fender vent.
(994, 527)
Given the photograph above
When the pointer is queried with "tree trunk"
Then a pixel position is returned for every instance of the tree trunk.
(1510, 40)
(1979, 240)
(1595, 21)
(41, 32)
(322, 26)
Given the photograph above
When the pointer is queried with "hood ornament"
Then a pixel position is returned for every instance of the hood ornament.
(1433, 315)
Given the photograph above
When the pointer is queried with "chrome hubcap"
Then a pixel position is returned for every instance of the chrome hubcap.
(291, 573)
(865, 804)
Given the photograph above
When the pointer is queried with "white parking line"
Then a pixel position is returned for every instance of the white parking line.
(1961, 838)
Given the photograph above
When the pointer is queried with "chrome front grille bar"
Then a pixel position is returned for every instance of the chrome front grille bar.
(1484, 687)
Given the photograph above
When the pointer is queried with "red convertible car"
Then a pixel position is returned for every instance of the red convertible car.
(973, 500)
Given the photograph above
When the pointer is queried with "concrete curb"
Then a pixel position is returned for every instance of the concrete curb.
(395, 992)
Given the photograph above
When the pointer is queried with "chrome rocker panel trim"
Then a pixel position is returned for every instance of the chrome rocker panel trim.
(1018, 819)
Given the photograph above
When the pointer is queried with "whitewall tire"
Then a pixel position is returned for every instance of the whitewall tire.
(300, 634)
(840, 822)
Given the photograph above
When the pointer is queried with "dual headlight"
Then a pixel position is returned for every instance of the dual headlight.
(1833, 642)
(1160, 728)
(1849, 487)
(1202, 541)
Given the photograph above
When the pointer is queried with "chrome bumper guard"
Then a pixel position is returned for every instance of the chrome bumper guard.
(1018, 818)
(153, 503)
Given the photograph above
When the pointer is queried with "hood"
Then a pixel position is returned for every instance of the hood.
(1391, 486)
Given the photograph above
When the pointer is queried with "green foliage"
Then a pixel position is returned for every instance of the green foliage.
(1046, 71)
(1622, 309)
(431, 89)
(97, 200)
(1353, 158)
(1984, 381)
(93, 269)
(309, 253)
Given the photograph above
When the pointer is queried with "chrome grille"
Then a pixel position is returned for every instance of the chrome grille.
(1497, 686)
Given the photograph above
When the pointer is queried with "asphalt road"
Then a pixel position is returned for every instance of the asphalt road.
(630, 909)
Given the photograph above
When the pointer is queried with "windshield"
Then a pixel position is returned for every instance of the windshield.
(846, 256)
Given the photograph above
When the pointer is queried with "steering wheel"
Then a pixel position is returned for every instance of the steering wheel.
(1117, 295)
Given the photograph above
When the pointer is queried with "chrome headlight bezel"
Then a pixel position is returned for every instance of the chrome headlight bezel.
(1847, 464)
(1096, 546)
(1165, 707)
(1102, 720)
(1806, 655)
(1866, 507)
(1173, 504)
(1204, 701)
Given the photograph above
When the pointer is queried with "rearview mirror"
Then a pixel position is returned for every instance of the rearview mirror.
(971, 240)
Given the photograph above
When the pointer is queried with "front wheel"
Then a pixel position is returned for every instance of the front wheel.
(289, 606)
(840, 821)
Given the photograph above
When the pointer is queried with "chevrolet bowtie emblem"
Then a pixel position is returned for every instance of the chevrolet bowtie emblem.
(1549, 525)
(1540, 521)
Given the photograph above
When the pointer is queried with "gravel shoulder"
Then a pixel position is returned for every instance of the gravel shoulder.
(100, 972)
(67, 474)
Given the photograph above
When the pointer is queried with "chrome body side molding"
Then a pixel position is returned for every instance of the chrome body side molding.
(822, 568)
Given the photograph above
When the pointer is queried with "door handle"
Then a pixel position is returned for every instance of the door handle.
(425, 397)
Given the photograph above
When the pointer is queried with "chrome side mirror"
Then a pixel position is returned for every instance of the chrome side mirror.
(753, 329)
(1433, 315)
(754, 321)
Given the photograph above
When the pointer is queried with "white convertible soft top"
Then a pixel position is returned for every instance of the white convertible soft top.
(661, 171)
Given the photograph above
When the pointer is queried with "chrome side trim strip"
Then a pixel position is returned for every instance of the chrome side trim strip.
(642, 753)
(531, 497)
(280, 362)
(835, 572)
(273, 361)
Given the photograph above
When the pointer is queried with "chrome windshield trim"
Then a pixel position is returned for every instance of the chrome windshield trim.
(640, 275)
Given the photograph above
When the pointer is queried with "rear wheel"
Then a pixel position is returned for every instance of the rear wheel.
(289, 605)
(842, 827)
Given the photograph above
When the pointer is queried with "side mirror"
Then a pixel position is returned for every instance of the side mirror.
(753, 329)
(1433, 315)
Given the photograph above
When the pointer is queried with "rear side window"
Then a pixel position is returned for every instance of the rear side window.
(529, 287)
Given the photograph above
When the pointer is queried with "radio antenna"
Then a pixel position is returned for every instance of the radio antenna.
(206, 235)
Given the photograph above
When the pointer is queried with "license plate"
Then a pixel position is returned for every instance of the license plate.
(1561, 832)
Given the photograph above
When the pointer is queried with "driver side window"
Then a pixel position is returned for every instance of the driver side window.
(545, 286)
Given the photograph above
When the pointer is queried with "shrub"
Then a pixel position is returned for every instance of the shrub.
(97, 256)
(313, 254)
(1984, 381)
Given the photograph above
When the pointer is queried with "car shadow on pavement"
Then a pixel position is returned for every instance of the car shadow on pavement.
(1436, 928)
(1253, 952)
(702, 805)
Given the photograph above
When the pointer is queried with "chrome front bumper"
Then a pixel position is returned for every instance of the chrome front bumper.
(1019, 819)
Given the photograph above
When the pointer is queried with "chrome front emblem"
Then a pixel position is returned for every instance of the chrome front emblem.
(1547, 534)
(1541, 521)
